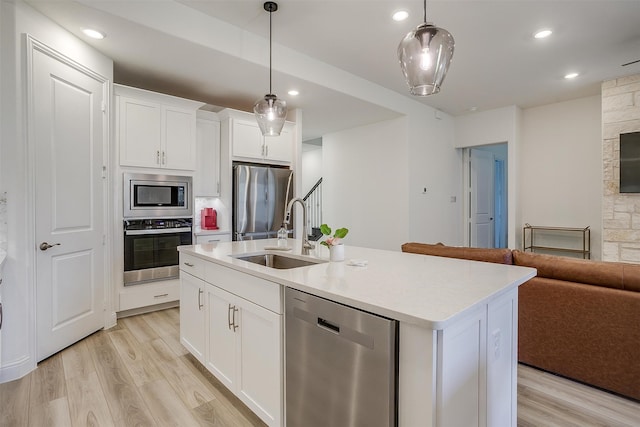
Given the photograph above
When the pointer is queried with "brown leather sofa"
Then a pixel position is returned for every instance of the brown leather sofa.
(577, 318)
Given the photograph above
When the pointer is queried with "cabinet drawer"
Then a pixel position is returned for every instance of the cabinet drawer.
(149, 294)
(192, 265)
(212, 238)
(259, 291)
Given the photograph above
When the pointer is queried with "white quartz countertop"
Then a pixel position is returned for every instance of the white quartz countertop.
(425, 290)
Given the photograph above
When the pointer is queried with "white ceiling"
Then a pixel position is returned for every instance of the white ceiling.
(496, 61)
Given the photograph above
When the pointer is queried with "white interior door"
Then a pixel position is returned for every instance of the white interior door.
(482, 199)
(68, 128)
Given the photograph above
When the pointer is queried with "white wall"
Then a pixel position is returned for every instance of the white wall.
(561, 166)
(311, 166)
(492, 127)
(436, 165)
(18, 331)
(365, 184)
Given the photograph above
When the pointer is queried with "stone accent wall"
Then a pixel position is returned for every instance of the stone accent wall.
(621, 212)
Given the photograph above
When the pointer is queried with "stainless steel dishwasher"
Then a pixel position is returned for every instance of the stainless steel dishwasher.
(341, 364)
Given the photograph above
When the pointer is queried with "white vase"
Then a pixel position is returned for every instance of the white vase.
(336, 253)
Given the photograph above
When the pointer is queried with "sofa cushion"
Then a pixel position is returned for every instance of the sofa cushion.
(498, 256)
(615, 275)
(588, 333)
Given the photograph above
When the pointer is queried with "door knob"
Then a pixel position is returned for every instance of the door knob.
(44, 246)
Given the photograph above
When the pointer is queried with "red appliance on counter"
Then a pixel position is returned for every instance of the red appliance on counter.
(209, 219)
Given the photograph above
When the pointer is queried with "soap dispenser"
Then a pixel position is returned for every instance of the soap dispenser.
(282, 237)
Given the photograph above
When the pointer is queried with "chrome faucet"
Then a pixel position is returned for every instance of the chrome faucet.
(306, 245)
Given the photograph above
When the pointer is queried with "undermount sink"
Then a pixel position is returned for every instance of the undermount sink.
(278, 261)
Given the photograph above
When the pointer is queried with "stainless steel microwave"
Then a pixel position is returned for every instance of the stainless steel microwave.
(157, 196)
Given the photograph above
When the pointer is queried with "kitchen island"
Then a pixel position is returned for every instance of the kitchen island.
(457, 350)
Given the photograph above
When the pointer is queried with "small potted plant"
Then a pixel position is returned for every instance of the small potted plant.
(334, 243)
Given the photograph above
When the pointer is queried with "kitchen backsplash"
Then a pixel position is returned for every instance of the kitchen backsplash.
(212, 202)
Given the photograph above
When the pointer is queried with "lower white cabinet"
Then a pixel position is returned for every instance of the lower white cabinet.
(238, 340)
(192, 315)
(244, 351)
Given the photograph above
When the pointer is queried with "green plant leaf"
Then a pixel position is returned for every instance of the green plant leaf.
(341, 232)
(325, 229)
(324, 244)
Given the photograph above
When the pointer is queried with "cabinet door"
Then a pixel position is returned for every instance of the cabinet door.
(192, 314)
(206, 180)
(260, 351)
(247, 139)
(222, 359)
(139, 132)
(280, 148)
(179, 139)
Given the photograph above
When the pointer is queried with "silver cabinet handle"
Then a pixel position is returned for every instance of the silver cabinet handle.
(158, 157)
(1, 315)
(44, 246)
(235, 326)
(161, 296)
(229, 316)
(164, 158)
(267, 150)
(200, 292)
(188, 264)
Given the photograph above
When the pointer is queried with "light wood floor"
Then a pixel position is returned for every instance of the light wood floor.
(138, 374)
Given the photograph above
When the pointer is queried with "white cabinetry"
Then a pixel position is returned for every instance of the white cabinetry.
(247, 142)
(212, 238)
(242, 329)
(206, 180)
(192, 315)
(155, 130)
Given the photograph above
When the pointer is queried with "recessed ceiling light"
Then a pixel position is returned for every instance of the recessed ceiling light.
(400, 15)
(571, 76)
(94, 34)
(293, 92)
(543, 34)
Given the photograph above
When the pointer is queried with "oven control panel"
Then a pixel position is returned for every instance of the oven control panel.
(157, 224)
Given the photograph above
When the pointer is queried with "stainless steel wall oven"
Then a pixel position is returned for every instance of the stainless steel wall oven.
(150, 248)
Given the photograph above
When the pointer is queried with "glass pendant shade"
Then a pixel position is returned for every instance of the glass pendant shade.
(425, 54)
(270, 114)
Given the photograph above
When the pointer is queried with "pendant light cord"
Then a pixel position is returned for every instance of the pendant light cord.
(425, 11)
(270, 47)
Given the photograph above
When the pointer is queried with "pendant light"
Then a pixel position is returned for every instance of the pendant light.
(270, 111)
(425, 54)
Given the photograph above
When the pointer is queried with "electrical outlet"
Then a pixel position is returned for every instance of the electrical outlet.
(496, 336)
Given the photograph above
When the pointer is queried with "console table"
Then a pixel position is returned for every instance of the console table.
(532, 231)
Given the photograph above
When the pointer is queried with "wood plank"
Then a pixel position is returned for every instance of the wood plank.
(545, 397)
(125, 403)
(14, 401)
(192, 391)
(243, 415)
(165, 325)
(142, 368)
(167, 408)
(139, 328)
(217, 414)
(87, 403)
(52, 413)
(77, 361)
(47, 381)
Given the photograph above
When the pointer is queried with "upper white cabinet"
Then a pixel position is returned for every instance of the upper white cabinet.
(155, 130)
(206, 180)
(247, 143)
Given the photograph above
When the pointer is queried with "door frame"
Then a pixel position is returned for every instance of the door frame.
(466, 193)
(32, 45)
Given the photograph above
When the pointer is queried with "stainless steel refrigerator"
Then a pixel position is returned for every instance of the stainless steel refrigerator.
(260, 197)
